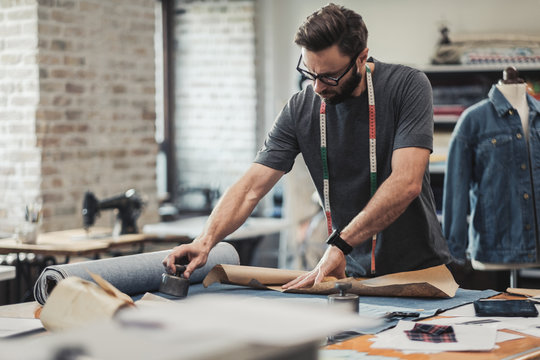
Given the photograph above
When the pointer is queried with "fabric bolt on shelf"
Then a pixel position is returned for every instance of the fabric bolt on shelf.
(131, 274)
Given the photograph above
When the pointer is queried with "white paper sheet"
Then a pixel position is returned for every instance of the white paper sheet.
(14, 326)
(469, 338)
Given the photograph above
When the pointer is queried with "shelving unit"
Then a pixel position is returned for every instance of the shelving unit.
(455, 88)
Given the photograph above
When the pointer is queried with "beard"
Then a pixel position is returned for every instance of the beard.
(334, 97)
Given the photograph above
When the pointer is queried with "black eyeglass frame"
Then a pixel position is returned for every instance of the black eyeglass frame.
(328, 80)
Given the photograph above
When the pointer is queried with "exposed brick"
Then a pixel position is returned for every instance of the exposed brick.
(49, 29)
(67, 4)
(59, 45)
(62, 129)
(18, 44)
(74, 60)
(51, 87)
(49, 170)
(22, 14)
(88, 6)
(48, 3)
(69, 211)
(74, 88)
(23, 100)
(60, 73)
(52, 197)
(10, 30)
(74, 115)
(148, 115)
(62, 16)
(119, 89)
(74, 31)
(93, 103)
(49, 115)
(48, 142)
(43, 73)
(46, 59)
(10, 59)
(76, 141)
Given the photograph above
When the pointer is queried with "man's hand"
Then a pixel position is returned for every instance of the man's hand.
(195, 253)
(331, 264)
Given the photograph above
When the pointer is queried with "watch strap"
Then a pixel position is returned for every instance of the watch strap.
(335, 240)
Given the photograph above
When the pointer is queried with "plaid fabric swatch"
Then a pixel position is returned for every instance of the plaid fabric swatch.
(431, 333)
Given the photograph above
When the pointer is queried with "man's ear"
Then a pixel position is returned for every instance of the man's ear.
(362, 58)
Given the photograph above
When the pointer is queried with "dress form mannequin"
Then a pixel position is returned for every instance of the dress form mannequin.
(514, 90)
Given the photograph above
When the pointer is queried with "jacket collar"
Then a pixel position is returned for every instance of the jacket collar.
(502, 106)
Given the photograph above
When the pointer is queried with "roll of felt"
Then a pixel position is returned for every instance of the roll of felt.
(131, 274)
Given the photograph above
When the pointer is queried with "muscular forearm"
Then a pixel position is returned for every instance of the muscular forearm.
(392, 198)
(388, 203)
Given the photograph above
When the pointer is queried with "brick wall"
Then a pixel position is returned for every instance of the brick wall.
(88, 116)
(215, 107)
(20, 162)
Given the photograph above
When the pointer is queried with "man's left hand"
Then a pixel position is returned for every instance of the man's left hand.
(331, 264)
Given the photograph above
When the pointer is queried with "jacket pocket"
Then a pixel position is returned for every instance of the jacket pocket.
(494, 154)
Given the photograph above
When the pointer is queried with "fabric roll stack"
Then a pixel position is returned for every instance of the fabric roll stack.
(132, 274)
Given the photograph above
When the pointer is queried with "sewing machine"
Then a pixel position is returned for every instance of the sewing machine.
(128, 205)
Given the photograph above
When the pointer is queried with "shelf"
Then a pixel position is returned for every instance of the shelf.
(445, 119)
(476, 68)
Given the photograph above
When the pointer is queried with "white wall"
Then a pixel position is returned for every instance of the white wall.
(404, 31)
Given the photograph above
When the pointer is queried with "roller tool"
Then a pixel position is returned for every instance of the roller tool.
(347, 301)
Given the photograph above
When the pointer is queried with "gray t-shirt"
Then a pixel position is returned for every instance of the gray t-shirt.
(404, 118)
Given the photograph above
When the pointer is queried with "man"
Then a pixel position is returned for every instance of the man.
(365, 130)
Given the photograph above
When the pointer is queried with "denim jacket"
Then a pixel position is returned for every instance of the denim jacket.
(491, 201)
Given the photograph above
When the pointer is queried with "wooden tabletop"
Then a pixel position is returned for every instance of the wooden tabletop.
(527, 347)
(78, 242)
(25, 310)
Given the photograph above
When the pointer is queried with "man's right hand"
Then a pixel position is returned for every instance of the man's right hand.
(196, 254)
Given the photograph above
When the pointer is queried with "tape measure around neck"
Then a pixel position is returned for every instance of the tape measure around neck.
(372, 159)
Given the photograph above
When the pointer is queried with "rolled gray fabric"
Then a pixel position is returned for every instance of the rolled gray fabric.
(131, 274)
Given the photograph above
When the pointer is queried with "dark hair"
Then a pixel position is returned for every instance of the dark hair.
(330, 25)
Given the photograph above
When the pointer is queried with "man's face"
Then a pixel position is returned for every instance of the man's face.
(330, 62)
(336, 94)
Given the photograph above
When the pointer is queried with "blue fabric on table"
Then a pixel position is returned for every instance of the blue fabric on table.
(370, 306)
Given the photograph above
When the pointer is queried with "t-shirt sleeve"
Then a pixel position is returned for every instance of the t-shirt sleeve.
(280, 147)
(415, 120)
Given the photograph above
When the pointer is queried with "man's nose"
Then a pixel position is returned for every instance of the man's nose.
(319, 86)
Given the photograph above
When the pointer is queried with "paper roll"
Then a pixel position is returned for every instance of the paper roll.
(131, 274)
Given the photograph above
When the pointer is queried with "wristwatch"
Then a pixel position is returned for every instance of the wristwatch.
(335, 240)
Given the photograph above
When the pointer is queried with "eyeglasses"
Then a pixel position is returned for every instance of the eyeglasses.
(328, 80)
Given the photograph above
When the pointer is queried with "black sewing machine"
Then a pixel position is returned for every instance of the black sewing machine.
(128, 204)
